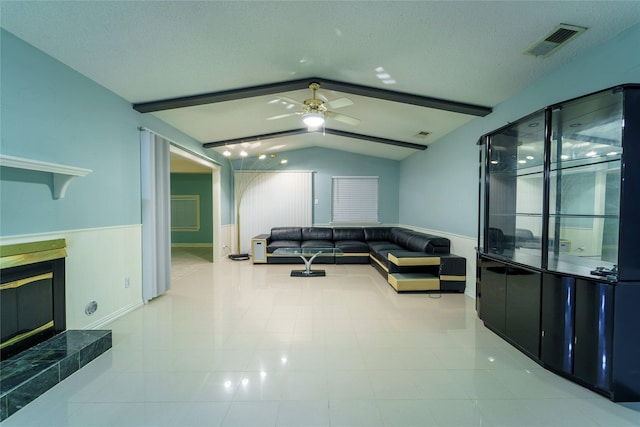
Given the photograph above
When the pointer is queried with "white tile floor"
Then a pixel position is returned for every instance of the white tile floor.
(234, 344)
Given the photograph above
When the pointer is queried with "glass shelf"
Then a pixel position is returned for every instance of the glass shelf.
(551, 183)
(584, 196)
(515, 170)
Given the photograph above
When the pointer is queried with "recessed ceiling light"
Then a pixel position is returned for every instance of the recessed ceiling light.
(612, 153)
(522, 161)
(564, 157)
(494, 162)
(226, 153)
(244, 153)
(530, 157)
(591, 154)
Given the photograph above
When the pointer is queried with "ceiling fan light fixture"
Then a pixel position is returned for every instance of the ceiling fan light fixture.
(313, 120)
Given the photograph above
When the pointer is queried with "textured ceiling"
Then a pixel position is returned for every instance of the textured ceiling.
(467, 52)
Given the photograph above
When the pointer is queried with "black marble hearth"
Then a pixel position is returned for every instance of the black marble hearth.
(29, 374)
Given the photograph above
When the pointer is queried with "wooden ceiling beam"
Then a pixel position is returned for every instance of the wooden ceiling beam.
(299, 131)
(291, 85)
(255, 138)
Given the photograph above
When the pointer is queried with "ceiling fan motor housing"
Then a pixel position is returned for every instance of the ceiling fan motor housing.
(314, 104)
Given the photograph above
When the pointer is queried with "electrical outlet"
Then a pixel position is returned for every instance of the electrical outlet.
(127, 282)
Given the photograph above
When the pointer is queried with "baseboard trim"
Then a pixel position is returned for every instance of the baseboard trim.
(99, 324)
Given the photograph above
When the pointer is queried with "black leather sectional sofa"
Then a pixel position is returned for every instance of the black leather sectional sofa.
(410, 260)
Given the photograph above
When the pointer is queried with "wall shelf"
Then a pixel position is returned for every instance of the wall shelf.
(62, 174)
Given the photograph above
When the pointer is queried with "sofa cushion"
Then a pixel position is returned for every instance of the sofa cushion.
(383, 245)
(317, 244)
(286, 233)
(317, 233)
(277, 244)
(376, 233)
(348, 233)
(352, 246)
(401, 236)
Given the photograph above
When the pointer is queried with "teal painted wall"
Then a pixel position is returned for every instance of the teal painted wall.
(439, 187)
(52, 113)
(200, 184)
(327, 163)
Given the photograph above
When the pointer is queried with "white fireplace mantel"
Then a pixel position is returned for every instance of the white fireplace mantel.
(62, 174)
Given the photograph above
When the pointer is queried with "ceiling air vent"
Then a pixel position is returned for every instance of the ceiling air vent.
(554, 40)
(422, 134)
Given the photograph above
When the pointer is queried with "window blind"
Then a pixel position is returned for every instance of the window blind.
(354, 199)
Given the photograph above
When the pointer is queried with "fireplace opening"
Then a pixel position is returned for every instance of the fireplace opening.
(32, 296)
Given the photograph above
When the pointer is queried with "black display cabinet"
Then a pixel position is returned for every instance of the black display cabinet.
(559, 238)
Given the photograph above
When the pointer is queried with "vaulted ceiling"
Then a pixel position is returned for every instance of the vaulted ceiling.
(218, 70)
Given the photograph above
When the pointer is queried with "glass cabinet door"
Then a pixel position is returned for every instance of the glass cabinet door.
(584, 198)
(515, 186)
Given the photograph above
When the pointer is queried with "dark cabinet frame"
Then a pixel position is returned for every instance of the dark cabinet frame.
(577, 324)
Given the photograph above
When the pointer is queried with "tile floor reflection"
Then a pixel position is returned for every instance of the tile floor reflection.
(234, 344)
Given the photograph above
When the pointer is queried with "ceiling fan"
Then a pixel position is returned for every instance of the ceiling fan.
(315, 110)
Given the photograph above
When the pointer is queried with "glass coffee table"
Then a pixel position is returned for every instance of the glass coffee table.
(307, 255)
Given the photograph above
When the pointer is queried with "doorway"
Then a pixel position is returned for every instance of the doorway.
(184, 162)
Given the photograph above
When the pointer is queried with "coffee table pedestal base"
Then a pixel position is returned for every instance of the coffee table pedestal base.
(305, 273)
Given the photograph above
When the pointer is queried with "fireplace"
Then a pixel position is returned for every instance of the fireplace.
(37, 351)
(32, 294)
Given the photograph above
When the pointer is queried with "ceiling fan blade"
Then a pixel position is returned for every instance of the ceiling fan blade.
(342, 118)
(289, 100)
(322, 97)
(282, 116)
(339, 103)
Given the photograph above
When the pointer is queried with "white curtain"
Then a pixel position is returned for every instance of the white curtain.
(272, 199)
(156, 215)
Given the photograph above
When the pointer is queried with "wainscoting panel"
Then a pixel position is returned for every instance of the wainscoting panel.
(103, 265)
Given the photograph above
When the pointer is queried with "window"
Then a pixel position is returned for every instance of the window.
(355, 199)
